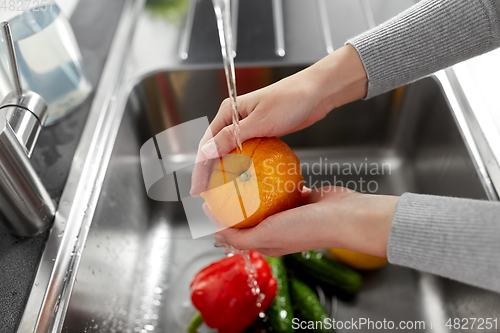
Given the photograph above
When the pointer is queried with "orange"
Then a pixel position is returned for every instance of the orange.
(358, 260)
(244, 189)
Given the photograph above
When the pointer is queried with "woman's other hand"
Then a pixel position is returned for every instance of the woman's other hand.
(327, 217)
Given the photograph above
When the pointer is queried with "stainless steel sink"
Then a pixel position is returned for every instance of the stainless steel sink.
(139, 256)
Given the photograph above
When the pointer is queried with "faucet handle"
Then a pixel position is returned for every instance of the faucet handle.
(11, 55)
(28, 100)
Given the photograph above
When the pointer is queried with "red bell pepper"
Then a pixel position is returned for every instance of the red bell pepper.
(222, 294)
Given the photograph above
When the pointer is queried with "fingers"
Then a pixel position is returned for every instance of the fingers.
(211, 147)
(222, 127)
(224, 141)
(294, 230)
(268, 235)
(200, 177)
(222, 120)
(207, 150)
(309, 226)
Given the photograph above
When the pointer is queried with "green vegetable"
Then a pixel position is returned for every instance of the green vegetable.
(280, 313)
(308, 307)
(172, 10)
(326, 272)
(195, 322)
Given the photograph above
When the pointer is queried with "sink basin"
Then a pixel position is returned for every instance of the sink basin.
(139, 257)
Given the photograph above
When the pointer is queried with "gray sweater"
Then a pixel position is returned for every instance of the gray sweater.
(451, 237)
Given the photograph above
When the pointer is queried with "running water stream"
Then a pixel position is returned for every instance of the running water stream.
(251, 271)
(223, 15)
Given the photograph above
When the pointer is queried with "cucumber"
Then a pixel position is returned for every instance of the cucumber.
(308, 307)
(280, 313)
(324, 271)
(196, 321)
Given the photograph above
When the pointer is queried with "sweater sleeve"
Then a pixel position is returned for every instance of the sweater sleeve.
(450, 237)
(432, 35)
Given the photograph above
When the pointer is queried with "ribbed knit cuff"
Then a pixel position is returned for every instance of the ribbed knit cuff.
(451, 237)
(432, 35)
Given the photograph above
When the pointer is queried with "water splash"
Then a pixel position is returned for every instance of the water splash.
(250, 270)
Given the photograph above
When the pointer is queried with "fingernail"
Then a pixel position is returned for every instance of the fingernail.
(219, 239)
(209, 149)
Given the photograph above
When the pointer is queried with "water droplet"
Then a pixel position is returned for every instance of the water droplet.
(260, 298)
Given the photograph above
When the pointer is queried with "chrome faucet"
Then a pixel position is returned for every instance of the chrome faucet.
(25, 205)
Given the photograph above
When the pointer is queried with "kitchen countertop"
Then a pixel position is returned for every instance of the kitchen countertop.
(94, 23)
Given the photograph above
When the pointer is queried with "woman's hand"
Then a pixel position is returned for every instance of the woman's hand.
(328, 217)
(287, 106)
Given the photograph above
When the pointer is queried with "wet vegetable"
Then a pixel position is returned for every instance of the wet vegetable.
(222, 294)
(325, 271)
(308, 307)
(280, 313)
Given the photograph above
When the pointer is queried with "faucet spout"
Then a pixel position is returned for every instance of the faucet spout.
(25, 204)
